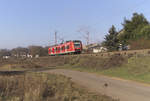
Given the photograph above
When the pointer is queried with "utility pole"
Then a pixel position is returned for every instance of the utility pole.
(50, 40)
(55, 37)
(88, 37)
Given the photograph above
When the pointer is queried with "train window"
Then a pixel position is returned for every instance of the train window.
(58, 49)
(54, 49)
(63, 48)
(68, 47)
(77, 45)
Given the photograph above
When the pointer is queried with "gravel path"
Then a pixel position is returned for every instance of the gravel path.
(119, 89)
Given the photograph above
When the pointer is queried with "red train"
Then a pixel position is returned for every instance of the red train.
(69, 47)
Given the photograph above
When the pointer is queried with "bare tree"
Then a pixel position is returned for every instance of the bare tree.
(4, 52)
(38, 50)
(19, 51)
(85, 32)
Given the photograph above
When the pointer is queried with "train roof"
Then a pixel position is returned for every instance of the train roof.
(65, 42)
(73, 41)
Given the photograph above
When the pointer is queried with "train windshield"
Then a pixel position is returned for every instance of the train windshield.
(77, 44)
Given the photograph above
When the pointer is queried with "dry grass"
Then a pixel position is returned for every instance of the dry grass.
(97, 63)
(17, 64)
(137, 69)
(44, 87)
(94, 62)
(85, 62)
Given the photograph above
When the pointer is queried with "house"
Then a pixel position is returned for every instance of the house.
(6, 57)
(99, 49)
(29, 56)
(96, 48)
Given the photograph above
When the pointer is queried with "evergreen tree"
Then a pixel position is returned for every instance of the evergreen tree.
(132, 28)
(111, 39)
(145, 32)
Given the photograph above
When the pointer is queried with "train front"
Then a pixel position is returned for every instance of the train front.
(77, 46)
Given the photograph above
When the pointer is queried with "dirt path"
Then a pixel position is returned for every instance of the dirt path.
(120, 89)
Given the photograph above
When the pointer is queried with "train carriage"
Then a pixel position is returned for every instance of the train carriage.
(69, 47)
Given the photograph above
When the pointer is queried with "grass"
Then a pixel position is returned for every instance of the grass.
(44, 87)
(9, 67)
(17, 65)
(136, 69)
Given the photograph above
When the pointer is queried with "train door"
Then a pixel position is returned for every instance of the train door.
(67, 47)
(63, 49)
(53, 51)
(49, 51)
(58, 50)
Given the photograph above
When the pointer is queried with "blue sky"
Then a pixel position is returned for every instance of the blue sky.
(33, 22)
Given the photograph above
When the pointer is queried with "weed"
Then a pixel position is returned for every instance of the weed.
(44, 87)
